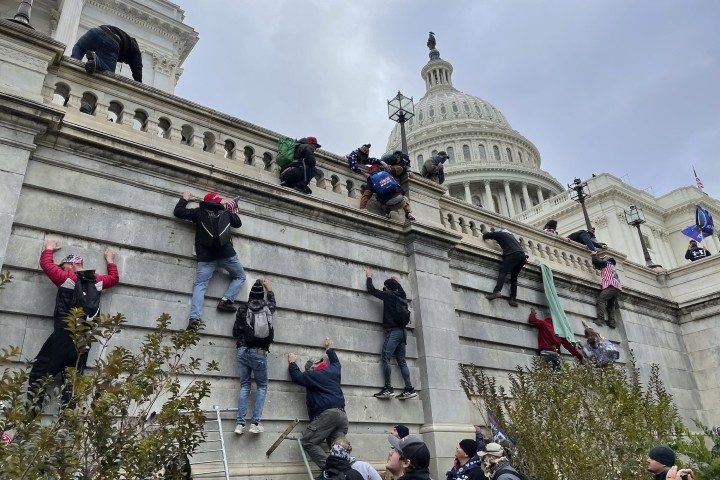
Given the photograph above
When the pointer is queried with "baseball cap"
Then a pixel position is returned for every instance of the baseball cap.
(71, 259)
(212, 197)
(494, 449)
(412, 448)
(313, 141)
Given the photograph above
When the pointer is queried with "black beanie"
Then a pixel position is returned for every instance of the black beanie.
(662, 454)
(469, 447)
(392, 285)
(257, 292)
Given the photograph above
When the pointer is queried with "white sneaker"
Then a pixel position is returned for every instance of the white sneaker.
(239, 429)
(256, 428)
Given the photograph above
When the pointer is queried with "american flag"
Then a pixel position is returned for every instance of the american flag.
(698, 182)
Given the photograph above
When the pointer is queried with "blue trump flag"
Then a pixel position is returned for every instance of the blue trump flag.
(704, 221)
(693, 231)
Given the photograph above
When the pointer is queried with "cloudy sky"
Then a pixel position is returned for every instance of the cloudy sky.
(626, 87)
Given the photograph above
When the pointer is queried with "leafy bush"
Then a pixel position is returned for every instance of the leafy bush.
(136, 411)
(581, 422)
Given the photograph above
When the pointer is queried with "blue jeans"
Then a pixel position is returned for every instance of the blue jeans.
(103, 44)
(251, 361)
(205, 272)
(394, 346)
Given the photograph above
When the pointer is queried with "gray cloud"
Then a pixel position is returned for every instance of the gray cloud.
(629, 88)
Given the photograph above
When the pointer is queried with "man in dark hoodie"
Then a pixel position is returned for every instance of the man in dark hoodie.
(467, 464)
(325, 402)
(587, 238)
(213, 248)
(106, 45)
(339, 463)
(254, 332)
(302, 170)
(396, 317)
(513, 259)
(433, 167)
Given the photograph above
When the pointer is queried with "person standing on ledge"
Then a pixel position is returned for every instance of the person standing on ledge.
(696, 253)
(513, 259)
(213, 248)
(611, 289)
(325, 402)
(432, 168)
(104, 47)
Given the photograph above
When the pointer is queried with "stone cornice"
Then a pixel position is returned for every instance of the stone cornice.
(33, 38)
(494, 171)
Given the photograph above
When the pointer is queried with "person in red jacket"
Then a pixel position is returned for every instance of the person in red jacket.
(59, 352)
(549, 342)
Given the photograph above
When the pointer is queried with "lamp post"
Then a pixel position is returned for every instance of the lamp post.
(23, 14)
(579, 191)
(400, 110)
(635, 217)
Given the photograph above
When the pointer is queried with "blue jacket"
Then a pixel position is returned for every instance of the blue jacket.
(322, 386)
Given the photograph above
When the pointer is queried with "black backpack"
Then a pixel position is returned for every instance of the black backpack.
(86, 295)
(214, 228)
(510, 470)
(399, 311)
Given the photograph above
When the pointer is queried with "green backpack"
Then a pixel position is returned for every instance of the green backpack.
(286, 151)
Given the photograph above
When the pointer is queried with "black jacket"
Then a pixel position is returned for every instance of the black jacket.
(419, 474)
(386, 296)
(662, 475)
(322, 386)
(203, 253)
(129, 50)
(243, 332)
(472, 470)
(506, 240)
(304, 154)
(696, 253)
(336, 465)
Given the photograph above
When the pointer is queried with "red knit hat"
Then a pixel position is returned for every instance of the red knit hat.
(212, 197)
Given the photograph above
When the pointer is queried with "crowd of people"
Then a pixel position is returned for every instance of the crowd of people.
(253, 330)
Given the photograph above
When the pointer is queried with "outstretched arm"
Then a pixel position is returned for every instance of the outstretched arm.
(56, 274)
(113, 277)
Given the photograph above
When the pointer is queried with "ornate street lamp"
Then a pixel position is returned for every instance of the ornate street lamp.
(400, 110)
(635, 217)
(579, 191)
(23, 14)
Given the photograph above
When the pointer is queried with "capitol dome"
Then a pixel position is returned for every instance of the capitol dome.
(490, 164)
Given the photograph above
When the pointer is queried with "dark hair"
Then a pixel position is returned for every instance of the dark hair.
(551, 224)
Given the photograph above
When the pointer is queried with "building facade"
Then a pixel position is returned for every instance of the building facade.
(91, 183)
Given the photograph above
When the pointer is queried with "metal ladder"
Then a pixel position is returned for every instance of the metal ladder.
(213, 426)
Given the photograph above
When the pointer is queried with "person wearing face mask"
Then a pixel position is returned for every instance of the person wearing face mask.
(496, 464)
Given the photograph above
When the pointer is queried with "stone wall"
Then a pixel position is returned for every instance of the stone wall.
(92, 183)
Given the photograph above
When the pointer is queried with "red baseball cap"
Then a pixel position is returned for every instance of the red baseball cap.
(212, 197)
(313, 141)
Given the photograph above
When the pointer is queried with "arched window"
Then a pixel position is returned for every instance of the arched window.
(267, 160)
(478, 110)
(186, 135)
(140, 120)
(509, 154)
(431, 111)
(443, 110)
(455, 108)
(482, 152)
(61, 95)
(421, 116)
(163, 128)
(229, 147)
(466, 107)
(489, 113)
(88, 102)
(420, 161)
(433, 153)
(466, 153)
(520, 156)
(115, 111)
(209, 142)
(249, 153)
(451, 154)
(496, 153)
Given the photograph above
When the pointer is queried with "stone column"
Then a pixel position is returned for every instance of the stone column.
(468, 196)
(438, 344)
(20, 123)
(67, 28)
(489, 204)
(509, 199)
(540, 195)
(526, 196)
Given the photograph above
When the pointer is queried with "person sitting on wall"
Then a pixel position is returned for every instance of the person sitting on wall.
(302, 170)
(396, 317)
(696, 253)
(77, 288)
(254, 331)
(587, 238)
(409, 458)
(513, 259)
(551, 227)
(360, 157)
(432, 168)
(396, 162)
(106, 45)
(549, 342)
(387, 191)
(598, 349)
(213, 248)
(611, 289)
(466, 465)
(325, 402)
